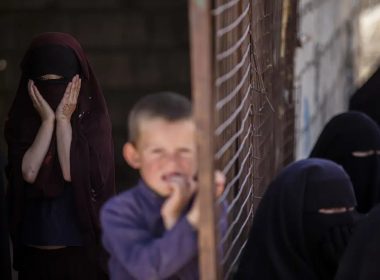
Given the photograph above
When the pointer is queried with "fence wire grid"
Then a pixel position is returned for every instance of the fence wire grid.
(251, 48)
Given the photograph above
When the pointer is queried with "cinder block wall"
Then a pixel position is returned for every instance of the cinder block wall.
(135, 47)
(324, 71)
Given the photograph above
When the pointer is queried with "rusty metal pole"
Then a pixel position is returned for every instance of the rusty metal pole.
(202, 76)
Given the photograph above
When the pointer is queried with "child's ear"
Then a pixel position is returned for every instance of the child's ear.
(131, 155)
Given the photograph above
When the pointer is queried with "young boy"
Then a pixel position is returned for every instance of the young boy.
(150, 231)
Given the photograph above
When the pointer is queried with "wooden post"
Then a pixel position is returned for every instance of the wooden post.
(202, 72)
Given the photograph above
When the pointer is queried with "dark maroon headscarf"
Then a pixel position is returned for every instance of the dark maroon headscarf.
(91, 155)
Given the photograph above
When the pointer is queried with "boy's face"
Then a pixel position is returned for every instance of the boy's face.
(163, 150)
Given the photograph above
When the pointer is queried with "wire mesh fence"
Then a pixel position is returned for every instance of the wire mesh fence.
(244, 111)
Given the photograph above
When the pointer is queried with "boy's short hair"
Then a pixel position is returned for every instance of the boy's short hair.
(169, 106)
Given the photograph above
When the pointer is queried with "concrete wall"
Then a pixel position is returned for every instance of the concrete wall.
(368, 54)
(324, 68)
(135, 47)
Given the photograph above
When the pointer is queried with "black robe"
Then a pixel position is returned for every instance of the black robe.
(5, 262)
(362, 257)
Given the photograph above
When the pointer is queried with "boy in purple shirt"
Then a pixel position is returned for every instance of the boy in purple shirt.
(150, 231)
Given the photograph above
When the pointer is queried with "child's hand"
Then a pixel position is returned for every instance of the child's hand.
(220, 182)
(194, 213)
(182, 191)
(39, 103)
(69, 100)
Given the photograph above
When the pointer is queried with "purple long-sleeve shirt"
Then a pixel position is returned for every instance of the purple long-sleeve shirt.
(139, 245)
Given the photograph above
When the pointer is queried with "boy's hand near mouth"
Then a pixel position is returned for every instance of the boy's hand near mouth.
(182, 191)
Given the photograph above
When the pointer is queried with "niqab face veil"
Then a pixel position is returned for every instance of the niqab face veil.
(91, 153)
(51, 59)
(289, 238)
(354, 132)
(327, 235)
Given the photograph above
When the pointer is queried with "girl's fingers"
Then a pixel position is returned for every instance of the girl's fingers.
(34, 92)
(73, 89)
(68, 89)
(77, 88)
(67, 94)
(41, 100)
(37, 95)
(30, 89)
(30, 83)
(33, 96)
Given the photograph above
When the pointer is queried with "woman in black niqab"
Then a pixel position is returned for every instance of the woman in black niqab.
(302, 224)
(352, 139)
